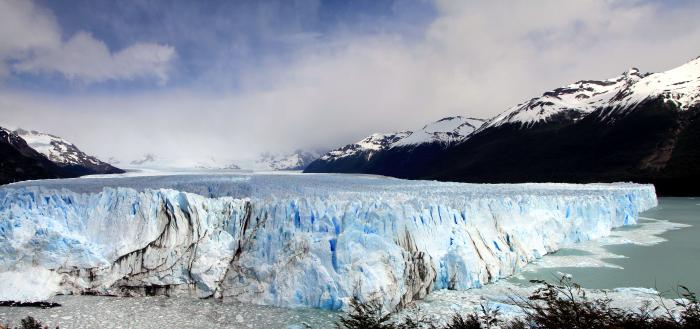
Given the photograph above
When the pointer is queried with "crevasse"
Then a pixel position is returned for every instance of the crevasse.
(307, 246)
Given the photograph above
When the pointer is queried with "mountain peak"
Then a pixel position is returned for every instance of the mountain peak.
(631, 71)
(444, 131)
(38, 155)
(680, 85)
(57, 149)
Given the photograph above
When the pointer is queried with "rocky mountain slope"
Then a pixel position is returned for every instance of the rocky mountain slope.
(433, 137)
(65, 154)
(21, 162)
(32, 155)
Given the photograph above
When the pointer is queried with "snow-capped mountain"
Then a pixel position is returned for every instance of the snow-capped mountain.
(571, 102)
(635, 127)
(8, 137)
(64, 153)
(298, 160)
(20, 160)
(367, 146)
(444, 131)
(35, 155)
(680, 86)
(56, 149)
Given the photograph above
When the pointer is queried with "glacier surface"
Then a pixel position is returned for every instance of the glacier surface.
(291, 239)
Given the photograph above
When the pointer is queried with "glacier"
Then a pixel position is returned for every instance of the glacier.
(291, 240)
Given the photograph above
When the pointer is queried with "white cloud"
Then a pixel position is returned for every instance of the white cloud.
(30, 42)
(477, 58)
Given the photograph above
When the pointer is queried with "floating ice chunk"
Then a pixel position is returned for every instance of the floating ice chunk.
(29, 284)
(595, 253)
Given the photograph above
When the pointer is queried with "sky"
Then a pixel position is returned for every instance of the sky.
(233, 79)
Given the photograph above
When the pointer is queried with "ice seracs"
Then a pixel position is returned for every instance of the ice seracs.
(296, 240)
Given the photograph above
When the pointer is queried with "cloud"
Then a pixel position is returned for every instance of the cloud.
(476, 58)
(30, 42)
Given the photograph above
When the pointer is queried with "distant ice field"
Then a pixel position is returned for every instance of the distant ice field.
(240, 184)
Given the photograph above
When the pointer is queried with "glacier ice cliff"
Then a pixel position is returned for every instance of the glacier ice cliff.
(291, 240)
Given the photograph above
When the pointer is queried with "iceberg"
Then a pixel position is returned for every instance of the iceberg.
(293, 240)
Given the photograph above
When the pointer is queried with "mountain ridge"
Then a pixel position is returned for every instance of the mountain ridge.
(65, 154)
(640, 127)
(44, 156)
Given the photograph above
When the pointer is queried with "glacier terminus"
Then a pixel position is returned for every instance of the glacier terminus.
(291, 240)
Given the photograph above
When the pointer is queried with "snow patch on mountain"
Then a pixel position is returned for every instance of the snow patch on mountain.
(575, 100)
(445, 131)
(9, 136)
(369, 145)
(57, 149)
(680, 85)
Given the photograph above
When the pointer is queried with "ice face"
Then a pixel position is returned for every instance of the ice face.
(294, 240)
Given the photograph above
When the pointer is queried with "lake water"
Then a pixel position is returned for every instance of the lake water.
(661, 252)
(647, 262)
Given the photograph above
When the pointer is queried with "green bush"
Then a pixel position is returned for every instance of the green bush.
(551, 306)
(367, 315)
(27, 323)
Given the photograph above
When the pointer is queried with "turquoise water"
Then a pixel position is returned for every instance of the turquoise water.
(662, 266)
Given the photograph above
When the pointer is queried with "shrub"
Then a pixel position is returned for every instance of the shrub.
(31, 323)
(469, 322)
(565, 305)
(552, 306)
(27, 323)
(367, 315)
